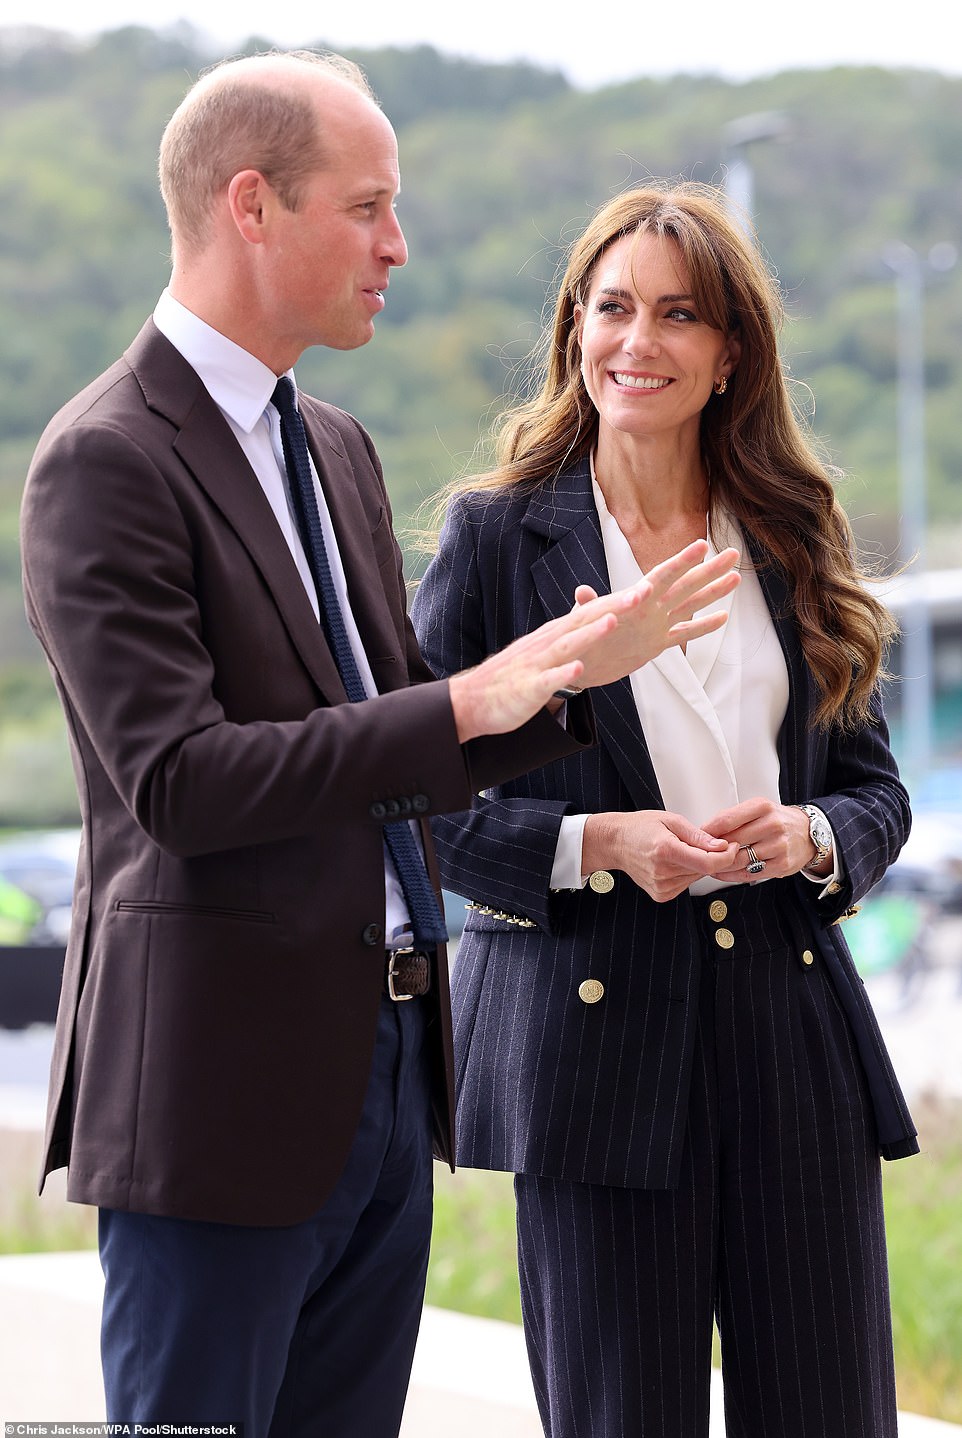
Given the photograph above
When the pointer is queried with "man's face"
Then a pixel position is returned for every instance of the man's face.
(328, 262)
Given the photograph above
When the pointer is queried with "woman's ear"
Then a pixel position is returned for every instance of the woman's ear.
(733, 353)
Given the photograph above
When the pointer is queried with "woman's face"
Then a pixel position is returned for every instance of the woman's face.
(648, 359)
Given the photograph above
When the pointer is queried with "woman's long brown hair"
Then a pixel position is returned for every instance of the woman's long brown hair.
(762, 466)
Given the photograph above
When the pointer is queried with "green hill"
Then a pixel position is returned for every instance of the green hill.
(501, 164)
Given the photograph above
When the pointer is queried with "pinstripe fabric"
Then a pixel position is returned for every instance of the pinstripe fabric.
(776, 1222)
(599, 1093)
(707, 1134)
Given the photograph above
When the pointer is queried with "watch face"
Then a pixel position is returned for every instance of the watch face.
(821, 834)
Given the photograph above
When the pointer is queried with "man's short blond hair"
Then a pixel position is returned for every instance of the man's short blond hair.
(244, 114)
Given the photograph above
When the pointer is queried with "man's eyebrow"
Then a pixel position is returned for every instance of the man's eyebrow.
(375, 191)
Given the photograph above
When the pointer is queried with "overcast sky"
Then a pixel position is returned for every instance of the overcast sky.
(592, 45)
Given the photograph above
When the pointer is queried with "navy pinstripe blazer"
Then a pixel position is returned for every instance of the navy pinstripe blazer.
(598, 1093)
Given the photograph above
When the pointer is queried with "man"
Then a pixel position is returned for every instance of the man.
(239, 1081)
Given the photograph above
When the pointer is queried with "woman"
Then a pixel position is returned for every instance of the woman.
(672, 1050)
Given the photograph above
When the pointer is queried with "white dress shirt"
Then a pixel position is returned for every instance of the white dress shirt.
(241, 387)
(711, 715)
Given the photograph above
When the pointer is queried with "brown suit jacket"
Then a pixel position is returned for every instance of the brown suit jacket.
(226, 959)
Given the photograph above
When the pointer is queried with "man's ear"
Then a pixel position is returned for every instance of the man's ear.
(249, 201)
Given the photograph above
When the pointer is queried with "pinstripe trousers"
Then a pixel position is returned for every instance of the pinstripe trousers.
(776, 1228)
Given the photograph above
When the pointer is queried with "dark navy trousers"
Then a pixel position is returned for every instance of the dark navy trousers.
(775, 1230)
(306, 1330)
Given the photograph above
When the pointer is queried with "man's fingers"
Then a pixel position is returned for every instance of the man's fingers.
(586, 611)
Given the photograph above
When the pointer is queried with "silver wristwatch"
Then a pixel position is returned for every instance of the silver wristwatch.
(819, 831)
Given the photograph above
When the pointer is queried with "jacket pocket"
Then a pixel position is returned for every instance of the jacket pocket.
(193, 911)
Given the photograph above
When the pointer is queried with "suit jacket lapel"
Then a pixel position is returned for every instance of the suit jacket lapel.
(207, 446)
(565, 516)
(798, 743)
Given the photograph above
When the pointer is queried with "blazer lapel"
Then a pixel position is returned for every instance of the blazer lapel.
(565, 516)
(207, 446)
(797, 741)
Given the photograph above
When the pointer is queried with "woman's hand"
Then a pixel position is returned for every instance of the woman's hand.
(778, 833)
(662, 853)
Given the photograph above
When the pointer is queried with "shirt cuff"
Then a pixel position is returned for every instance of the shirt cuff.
(566, 870)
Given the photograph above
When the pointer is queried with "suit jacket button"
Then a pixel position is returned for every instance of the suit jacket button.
(718, 910)
(807, 957)
(373, 934)
(601, 881)
(724, 938)
(392, 808)
(421, 803)
(591, 991)
(405, 806)
(378, 810)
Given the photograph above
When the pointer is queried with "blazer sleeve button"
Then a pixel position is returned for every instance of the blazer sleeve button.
(421, 803)
(405, 806)
(392, 808)
(378, 810)
(372, 934)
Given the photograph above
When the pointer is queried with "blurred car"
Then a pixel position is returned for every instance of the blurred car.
(930, 863)
(36, 888)
(940, 791)
(42, 866)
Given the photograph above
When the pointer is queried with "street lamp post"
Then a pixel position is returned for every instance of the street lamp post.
(909, 271)
(737, 136)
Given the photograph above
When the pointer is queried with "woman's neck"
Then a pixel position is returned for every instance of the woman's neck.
(657, 492)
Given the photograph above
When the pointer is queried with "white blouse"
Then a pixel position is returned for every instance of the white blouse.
(711, 715)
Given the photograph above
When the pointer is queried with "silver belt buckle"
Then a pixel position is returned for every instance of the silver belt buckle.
(392, 993)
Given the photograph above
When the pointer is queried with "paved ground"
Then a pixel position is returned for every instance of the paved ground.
(470, 1376)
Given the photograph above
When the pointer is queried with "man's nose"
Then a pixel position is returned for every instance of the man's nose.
(394, 249)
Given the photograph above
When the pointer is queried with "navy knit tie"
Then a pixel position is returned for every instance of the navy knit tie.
(426, 917)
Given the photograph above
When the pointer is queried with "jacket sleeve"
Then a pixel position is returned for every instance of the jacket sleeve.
(131, 592)
(501, 851)
(867, 805)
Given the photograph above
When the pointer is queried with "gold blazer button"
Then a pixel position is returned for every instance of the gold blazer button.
(718, 910)
(601, 881)
(807, 956)
(591, 991)
(724, 938)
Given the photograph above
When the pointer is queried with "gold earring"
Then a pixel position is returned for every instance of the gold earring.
(721, 385)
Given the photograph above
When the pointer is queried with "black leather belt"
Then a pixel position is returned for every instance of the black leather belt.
(407, 974)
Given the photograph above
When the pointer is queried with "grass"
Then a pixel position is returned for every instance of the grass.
(26, 1229)
(473, 1260)
(923, 1203)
